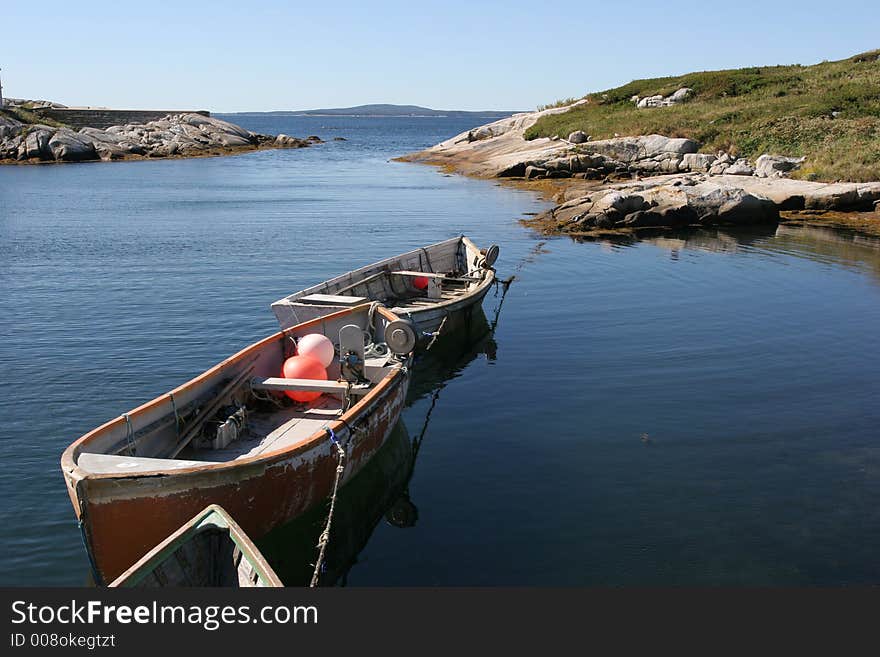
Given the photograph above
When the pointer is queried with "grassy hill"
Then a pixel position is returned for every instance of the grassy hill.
(829, 112)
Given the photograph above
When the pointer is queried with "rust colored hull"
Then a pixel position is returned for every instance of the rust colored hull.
(123, 518)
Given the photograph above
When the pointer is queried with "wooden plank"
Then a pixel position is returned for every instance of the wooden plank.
(106, 463)
(306, 385)
(444, 277)
(426, 274)
(434, 290)
(333, 299)
(291, 433)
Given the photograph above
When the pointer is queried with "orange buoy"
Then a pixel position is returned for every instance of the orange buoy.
(420, 282)
(303, 367)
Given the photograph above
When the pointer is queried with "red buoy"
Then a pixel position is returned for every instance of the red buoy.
(420, 282)
(303, 367)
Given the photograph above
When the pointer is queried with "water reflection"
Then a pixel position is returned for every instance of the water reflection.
(452, 352)
(833, 246)
(380, 490)
(362, 502)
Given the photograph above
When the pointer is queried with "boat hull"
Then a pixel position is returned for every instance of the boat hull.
(124, 517)
(456, 314)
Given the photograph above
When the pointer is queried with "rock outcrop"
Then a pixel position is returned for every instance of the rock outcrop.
(178, 135)
(495, 148)
(698, 200)
(776, 166)
(680, 202)
(659, 101)
(500, 150)
(646, 181)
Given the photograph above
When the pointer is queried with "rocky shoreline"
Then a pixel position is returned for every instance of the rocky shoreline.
(626, 184)
(175, 135)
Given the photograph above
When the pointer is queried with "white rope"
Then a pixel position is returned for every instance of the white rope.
(437, 333)
(371, 314)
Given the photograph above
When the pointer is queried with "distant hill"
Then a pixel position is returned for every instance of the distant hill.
(383, 110)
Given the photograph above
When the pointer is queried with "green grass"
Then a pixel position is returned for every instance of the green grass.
(559, 103)
(829, 113)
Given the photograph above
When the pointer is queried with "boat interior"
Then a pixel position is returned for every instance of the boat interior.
(210, 550)
(240, 409)
(452, 269)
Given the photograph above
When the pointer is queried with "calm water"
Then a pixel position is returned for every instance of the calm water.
(698, 409)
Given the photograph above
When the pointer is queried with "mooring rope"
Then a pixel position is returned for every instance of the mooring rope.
(324, 539)
(436, 334)
(417, 443)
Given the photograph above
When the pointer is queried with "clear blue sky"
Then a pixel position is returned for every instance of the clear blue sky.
(265, 55)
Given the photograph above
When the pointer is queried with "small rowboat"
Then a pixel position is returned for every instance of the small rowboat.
(458, 275)
(232, 437)
(209, 550)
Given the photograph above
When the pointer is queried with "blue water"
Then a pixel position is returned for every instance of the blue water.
(696, 409)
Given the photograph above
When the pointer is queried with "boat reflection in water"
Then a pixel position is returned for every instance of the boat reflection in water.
(380, 490)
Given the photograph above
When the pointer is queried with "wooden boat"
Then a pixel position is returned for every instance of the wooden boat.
(459, 275)
(209, 550)
(229, 437)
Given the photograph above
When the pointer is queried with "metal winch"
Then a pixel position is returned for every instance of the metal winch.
(351, 354)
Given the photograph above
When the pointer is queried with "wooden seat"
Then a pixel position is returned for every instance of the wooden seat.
(442, 277)
(426, 274)
(106, 463)
(307, 385)
(333, 299)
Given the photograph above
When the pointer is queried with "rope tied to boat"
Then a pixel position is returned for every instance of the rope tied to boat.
(374, 306)
(176, 414)
(436, 334)
(129, 435)
(324, 538)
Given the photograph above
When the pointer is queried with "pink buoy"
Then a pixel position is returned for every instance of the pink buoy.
(303, 367)
(420, 282)
(318, 346)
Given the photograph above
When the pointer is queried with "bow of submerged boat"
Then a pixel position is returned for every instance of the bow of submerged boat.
(209, 550)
